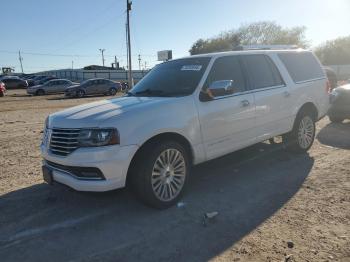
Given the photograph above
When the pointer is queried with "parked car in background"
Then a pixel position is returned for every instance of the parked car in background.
(44, 80)
(54, 86)
(332, 77)
(31, 81)
(14, 82)
(94, 87)
(2, 89)
(340, 104)
(27, 77)
(185, 112)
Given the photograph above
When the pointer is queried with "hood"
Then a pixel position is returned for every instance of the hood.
(93, 114)
(73, 86)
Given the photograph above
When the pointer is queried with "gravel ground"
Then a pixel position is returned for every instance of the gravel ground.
(272, 205)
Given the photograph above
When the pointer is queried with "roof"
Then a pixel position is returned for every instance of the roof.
(257, 51)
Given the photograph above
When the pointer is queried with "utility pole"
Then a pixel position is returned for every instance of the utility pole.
(116, 64)
(103, 58)
(145, 68)
(20, 59)
(139, 62)
(128, 9)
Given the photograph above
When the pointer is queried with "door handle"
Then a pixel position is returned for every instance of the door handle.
(286, 94)
(245, 103)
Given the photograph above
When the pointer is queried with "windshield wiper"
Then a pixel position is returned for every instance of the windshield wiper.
(149, 92)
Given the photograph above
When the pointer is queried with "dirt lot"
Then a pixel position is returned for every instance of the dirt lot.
(272, 205)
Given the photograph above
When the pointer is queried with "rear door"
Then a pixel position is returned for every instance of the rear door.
(227, 122)
(90, 87)
(49, 87)
(272, 96)
(104, 86)
(9, 83)
(63, 84)
(96, 87)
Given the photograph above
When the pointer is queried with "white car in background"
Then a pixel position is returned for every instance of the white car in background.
(185, 112)
(55, 86)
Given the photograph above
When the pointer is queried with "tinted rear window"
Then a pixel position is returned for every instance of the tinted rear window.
(262, 71)
(302, 66)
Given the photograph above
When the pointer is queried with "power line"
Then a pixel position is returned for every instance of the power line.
(68, 55)
(90, 33)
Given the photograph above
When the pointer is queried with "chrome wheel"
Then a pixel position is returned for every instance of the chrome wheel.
(306, 132)
(168, 174)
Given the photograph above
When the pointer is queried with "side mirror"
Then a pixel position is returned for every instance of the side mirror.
(220, 88)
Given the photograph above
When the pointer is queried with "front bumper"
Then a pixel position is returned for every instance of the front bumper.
(112, 161)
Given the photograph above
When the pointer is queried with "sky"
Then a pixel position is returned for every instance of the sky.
(52, 34)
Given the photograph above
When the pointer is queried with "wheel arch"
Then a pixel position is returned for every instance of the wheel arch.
(166, 136)
(309, 107)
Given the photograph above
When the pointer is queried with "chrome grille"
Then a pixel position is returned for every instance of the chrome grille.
(64, 141)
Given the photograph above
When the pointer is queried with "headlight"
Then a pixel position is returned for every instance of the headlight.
(98, 137)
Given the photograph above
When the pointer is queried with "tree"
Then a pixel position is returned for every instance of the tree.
(335, 52)
(258, 33)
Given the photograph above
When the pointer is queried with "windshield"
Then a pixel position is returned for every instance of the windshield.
(173, 78)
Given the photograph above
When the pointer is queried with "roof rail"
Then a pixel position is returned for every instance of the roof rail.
(265, 47)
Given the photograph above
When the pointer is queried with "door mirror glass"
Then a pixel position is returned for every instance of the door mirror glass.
(220, 88)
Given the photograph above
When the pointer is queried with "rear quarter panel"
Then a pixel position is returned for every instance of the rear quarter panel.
(313, 91)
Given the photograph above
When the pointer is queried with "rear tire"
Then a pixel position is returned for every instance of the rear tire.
(112, 91)
(2, 94)
(301, 138)
(159, 173)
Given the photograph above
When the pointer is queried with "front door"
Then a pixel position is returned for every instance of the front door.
(227, 122)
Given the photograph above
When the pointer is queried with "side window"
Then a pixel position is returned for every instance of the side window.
(227, 68)
(262, 71)
(302, 66)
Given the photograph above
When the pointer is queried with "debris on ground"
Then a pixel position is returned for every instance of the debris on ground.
(180, 204)
(288, 258)
(209, 217)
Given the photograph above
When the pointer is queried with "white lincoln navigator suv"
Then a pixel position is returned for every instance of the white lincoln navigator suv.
(182, 113)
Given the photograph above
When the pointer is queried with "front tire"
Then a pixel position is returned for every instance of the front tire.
(160, 173)
(80, 93)
(301, 138)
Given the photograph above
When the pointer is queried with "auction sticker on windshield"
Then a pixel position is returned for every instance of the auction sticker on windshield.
(191, 68)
